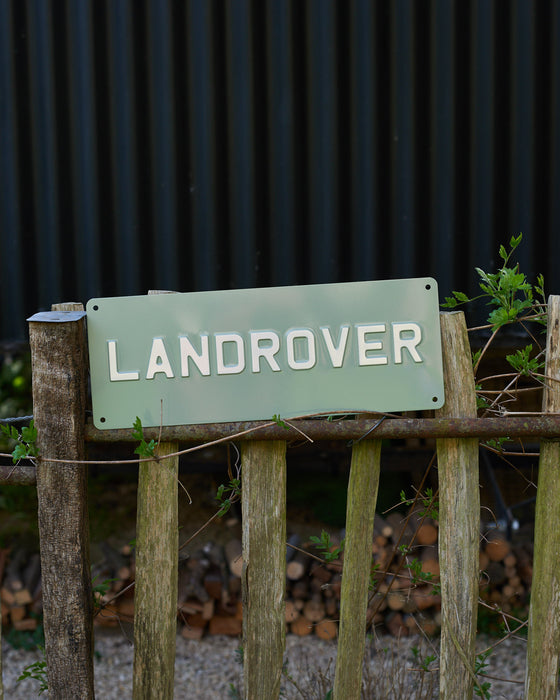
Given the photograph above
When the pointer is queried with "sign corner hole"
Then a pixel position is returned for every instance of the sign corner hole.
(102, 419)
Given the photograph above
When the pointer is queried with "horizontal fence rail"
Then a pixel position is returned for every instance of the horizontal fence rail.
(542, 425)
(537, 427)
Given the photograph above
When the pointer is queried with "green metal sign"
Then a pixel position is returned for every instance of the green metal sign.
(249, 354)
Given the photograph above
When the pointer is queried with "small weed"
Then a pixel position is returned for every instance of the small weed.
(323, 544)
(233, 692)
(278, 420)
(423, 662)
(227, 495)
(144, 449)
(482, 689)
(37, 671)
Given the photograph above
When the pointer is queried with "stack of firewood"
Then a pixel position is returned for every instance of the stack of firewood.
(507, 571)
(402, 600)
(21, 592)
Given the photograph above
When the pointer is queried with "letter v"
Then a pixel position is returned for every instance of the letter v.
(336, 352)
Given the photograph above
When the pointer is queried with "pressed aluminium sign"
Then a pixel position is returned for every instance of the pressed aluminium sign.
(250, 354)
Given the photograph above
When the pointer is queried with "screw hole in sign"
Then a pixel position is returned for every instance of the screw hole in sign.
(434, 399)
(428, 286)
(96, 308)
(102, 419)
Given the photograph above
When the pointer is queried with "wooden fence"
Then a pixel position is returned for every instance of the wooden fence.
(59, 356)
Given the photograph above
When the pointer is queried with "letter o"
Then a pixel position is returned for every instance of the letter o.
(308, 336)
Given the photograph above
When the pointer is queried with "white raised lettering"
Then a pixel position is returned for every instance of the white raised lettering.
(114, 374)
(366, 346)
(336, 352)
(201, 360)
(231, 368)
(267, 352)
(409, 342)
(309, 339)
(159, 362)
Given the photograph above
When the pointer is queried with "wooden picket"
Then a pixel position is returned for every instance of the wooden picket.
(60, 367)
(543, 642)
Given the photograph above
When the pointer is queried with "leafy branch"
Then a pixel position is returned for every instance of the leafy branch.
(508, 291)
(227, 495)
(325, 546)
(25, 441)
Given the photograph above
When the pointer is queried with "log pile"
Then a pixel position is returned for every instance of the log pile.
(209, 583)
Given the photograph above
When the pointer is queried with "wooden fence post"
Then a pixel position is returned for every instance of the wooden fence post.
(543, 642)
(459, 517)
(59, 361)
(360, 512)
(263, 502)
(155, 596)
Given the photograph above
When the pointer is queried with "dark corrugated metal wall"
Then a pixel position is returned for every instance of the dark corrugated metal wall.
(190, 144)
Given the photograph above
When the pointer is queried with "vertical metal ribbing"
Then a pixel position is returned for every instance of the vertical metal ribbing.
(364, 122)
(522, 114)
(482, 125)
(202, 132)
(42, 109)
(322, 137)
(403, 247)
(11, 303)
(241, 175)
(443, 125)
(85, 199)
(124, 154)
(281, 149)
(165, 269)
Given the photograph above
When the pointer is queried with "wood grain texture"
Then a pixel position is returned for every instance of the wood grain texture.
(264, 566)
(543, 643)
(459, 523)
(360, 511)
(157, 554)
(59, 361)
(155, 597)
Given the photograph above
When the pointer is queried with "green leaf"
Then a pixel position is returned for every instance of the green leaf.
(138, 432)
(449, 303)
(523, 363)
(19, 452)
(276, 418)
(503, 253)
(29, 434)
(144, 449)
(499, 317)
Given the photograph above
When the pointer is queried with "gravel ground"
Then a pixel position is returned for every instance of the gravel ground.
(209, 669)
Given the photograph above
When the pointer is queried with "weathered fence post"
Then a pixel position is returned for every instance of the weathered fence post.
(459, 517)
(263, 497)
(543, 643)
(155, 596)
(360, 512)
(59, 360)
